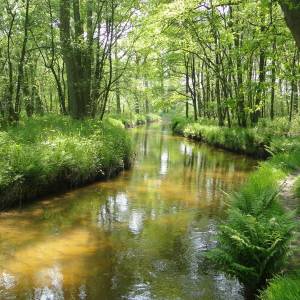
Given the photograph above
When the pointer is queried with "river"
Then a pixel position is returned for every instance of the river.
(139, 236)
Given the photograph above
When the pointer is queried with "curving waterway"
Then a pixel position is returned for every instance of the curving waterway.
(139, 236)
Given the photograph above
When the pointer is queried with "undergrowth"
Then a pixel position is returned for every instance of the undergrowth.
(283, 288)
(254, 242)
(132, 120)
(43, 154)
(267, 138)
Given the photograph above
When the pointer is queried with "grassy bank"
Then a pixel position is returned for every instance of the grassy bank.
(283, 288)
(254, 242)
(132, 120)
(46, 154)
(257, 142)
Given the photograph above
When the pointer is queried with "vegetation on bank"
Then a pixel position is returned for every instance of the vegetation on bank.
(133, 119)
(283, 288)
(260, 141)
(254, 243)
(236, 63)
(43, 154)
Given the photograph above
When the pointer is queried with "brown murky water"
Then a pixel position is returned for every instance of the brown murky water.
(139, 236)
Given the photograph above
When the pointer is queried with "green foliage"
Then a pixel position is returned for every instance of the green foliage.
(297, 187)
(178, 124)
(240, 140)
(132, 120)
(152, 118)
(260, 141)
(254, 243)
(283, 288)
(41, 153)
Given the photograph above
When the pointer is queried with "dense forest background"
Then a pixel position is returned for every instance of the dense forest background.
(234, 61)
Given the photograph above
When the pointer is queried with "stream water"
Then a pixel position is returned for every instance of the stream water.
(139, 236)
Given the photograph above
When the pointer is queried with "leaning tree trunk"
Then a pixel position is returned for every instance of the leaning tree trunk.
(291, 9)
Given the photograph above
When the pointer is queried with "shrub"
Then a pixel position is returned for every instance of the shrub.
(178, 124)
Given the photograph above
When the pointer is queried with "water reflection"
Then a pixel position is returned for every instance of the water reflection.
(139, 236)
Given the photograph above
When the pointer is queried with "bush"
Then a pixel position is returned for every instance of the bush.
(283, 288)
(42, 154)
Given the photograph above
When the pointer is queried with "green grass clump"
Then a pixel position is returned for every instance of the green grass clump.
(43, 154)
(178, 124)
(283, 288)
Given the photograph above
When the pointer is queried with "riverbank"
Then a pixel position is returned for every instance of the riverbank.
(47, 154)
(259, 142)
(133, 119)
(257, 240)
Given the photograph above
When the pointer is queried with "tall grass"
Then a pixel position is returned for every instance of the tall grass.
(283, 288)
(43, 154)
(266, 138)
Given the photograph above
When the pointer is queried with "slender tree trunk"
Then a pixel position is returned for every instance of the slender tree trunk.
(187, 93)
(9, 107)
(260, 86)
(22, 61)
(273, 80)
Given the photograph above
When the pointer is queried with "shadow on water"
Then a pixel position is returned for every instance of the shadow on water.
(139, 236)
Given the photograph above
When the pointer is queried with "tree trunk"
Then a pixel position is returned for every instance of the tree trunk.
(22, 62)
(273, 80)
(291, 9)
